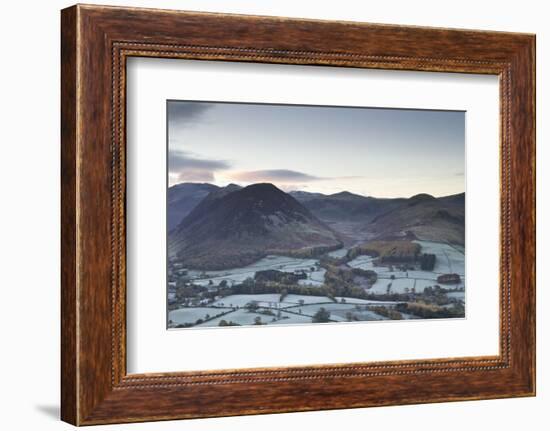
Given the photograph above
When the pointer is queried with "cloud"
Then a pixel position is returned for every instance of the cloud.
(195, 176)
(184, 113)
(179, 160)
(186, 166)
(274, 175)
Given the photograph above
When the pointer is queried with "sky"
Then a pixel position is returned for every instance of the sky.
(368, 151)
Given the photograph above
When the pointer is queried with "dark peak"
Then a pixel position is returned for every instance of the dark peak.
(345, 194)
(220, 192)
(458, 195)
(421, 197)
(261, 188)
(459, 198)
(264, 186)
(191, 184)
(231, 187)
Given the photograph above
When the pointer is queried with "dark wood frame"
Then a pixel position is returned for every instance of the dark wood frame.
(95, 42)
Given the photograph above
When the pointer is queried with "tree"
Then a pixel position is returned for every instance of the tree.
(427, 262)
(249, 282)
(224, 322)
(321, 316)
(257, 320)
(223, 283)
(252, 306)
(349, 316)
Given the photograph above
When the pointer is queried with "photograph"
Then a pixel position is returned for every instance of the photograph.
(295, 214)
(333, 210)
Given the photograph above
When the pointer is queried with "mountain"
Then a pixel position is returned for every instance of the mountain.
(241, 225)
(424, 217)
(182, 198)
(358, 218)
(345, 206)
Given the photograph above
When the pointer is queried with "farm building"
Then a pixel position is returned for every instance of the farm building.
(449, 279)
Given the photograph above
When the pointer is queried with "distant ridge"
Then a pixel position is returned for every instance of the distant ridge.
(424, 217)
(182, 198)
(345, 206)
(221, 227)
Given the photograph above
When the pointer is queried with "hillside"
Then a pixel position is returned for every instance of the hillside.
(345, 206)
(424, 217)
(236, 227)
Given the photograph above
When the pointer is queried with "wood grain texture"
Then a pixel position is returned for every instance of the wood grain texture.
(69, 397)
(96, 41)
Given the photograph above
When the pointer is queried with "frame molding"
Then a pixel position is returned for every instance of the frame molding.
(96, 41)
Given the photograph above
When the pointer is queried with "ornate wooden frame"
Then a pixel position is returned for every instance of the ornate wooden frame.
(96, 41)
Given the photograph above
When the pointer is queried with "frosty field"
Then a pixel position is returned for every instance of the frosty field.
(292, 308)
(238, 275)
(192, 314)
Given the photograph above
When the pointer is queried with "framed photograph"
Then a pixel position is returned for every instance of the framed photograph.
(304, 240)
(322, 214)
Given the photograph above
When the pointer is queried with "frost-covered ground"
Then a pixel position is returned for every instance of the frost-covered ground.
(293, 315)
(341, 252)
(241, 317)
(295, 299)
(264, 300)
(244, 317)
(291, 318)
(238, 275)
(366, 262)
(292, 310)
(192, 314)
(314, 278)
(271, 300)
(339, 311)
(363, 301)
(448, 260)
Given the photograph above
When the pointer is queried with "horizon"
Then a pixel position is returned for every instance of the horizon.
(313, 192)
(377, 152)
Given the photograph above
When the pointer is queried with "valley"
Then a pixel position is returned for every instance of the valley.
(260, 256)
